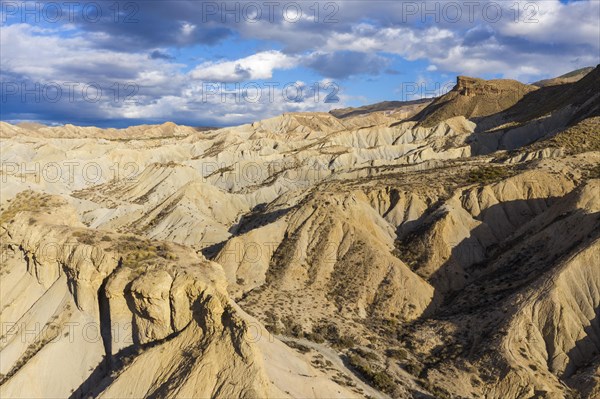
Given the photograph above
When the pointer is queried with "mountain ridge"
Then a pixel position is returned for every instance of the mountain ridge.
(450, 251)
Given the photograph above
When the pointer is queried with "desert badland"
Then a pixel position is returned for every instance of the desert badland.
(443, 248)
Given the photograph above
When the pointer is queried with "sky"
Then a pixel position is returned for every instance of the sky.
(118, 63)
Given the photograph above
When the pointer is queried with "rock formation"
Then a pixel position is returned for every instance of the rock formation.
(447, 249)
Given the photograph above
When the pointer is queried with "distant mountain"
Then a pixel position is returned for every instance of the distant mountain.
(167, 129)
(472, 97)
(508, 104)
(385, 106)
(570, 77)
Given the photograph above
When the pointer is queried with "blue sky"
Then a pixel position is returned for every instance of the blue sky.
(119, 63)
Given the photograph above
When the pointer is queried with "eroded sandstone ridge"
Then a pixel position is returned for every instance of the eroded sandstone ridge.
(92, 312)
(444, 248)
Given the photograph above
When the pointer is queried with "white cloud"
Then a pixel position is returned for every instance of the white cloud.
(163, 91)
(256, 66)
(405, 41)
(46, 56)
(550, 21)
(187, 29)
(566, 37)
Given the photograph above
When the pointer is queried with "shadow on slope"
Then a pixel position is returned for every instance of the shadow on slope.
(586, 349)
(539, 114)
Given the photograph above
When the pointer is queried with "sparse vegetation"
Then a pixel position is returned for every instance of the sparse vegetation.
(439, 392)
(484, 259)
(413, 368)
(28, 201)
(330, 332)
(85, 237)
(593, 172)
(579, 138)
(299, 347)
(50, 331)
(291, 327)
(582, 137)
(137, 252)
(488, 174)
(397, 354)
(377, 377)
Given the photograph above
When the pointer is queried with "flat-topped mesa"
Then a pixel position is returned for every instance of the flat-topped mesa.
(474, 98)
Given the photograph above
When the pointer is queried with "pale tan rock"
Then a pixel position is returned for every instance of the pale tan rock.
(450, 272)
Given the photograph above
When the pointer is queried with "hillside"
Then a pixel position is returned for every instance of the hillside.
(167, 129)
(370, 252)
(569, 77)
(472, 98)
(387, 107)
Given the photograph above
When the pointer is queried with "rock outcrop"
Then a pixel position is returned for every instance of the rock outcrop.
(453, 253)
(136, 317)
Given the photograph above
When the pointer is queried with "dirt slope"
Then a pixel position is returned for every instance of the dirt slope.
(451, 256)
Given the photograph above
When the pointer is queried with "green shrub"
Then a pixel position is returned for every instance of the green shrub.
(299, 347)
(27, 201)
(330, 332)
(315, 337)
(593, 172)
(398, 354)
(367, 355)
(487, 174)
(291, 327)
(413, 368)
(380, 379)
